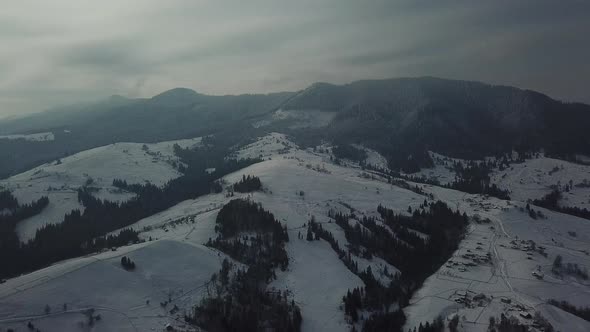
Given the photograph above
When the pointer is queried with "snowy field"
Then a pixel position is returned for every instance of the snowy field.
(514, 271)
(316, 277)
(167, 271)
(442, 171)
(495, 259)
(60, 180)
(533, 179)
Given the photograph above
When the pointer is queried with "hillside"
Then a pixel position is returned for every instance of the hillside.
(95, 168)
(380, 205)
(400, 118)
(408, 116)
(174, 265)
(172, 115)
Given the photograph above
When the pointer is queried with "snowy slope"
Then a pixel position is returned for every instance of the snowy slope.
(443, 168)
(532, 180)
(127, 301)
(509, 273)
(97, 168)
(316, 277)
(177, 261)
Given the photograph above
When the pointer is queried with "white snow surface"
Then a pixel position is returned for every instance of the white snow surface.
(316, 277)
(176, 260)
(533, 178)
(60, 180)
(443, 168)
(166, 269)
(509, 274)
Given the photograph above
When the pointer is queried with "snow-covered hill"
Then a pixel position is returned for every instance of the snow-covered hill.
(534, 178)
(516, 271)
(495, 259)
(60, 180)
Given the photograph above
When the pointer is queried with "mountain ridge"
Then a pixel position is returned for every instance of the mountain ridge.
(402, 118)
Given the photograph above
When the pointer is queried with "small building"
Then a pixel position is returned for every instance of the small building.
(525, 314)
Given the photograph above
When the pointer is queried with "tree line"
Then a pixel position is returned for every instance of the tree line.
(582, 312)
(247, 184)
(395, 240)
(474, 178)
(551, 202)
(11, 213)
(242, 301)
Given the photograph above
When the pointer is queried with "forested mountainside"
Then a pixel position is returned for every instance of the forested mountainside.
(400, 118)
(404, 118)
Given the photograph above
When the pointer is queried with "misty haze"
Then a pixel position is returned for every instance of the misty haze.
(418, 166)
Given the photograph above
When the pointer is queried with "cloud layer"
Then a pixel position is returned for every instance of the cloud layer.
(65, 51)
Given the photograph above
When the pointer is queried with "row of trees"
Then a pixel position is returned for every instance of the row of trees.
(11, 213)
(437, 325)
(243, 301)
(551, 202)
(348, 151)
(127, 263)
(512, 324)
(248, 184)
(559, 268)
(474, 178)
(582, 312)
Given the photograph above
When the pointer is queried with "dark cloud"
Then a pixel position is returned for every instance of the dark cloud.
(67, 51)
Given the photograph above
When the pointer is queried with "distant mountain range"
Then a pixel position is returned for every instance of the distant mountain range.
(458, 118)
(401, 118)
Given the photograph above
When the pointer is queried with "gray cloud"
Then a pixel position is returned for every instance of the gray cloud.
(66, 51)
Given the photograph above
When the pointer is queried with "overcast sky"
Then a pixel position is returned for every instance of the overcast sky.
(63, 51)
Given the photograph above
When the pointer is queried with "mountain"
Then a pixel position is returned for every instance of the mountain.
(176, 97)
(400, 118)
(174, 114)
(287, 211)
(58, 117)
(408, 116)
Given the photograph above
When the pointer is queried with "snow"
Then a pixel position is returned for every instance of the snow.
(443, 169)
(318, 282)
(373, 157)
(266, 147)
(509, 273)
(165, 269)
(532, 180)
(38, 137)
(60, 180)
(316, 277)
(176, 260)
